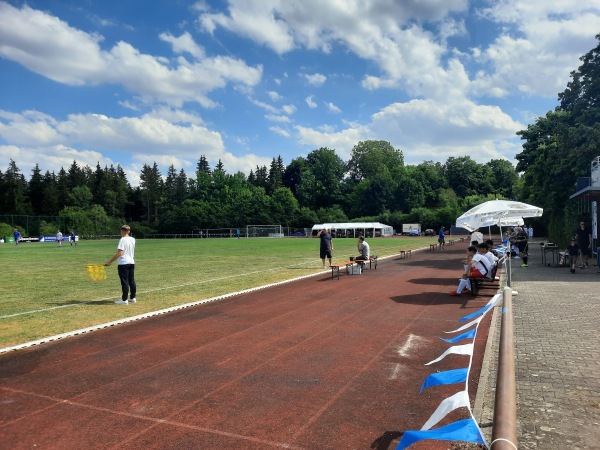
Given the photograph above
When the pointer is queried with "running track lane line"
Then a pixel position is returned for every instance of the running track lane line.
(223, 386)
(345, 388)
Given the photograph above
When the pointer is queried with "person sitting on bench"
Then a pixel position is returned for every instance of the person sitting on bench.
(478, 267)
(363, 248)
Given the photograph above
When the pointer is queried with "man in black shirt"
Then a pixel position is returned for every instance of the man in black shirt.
(326, 246)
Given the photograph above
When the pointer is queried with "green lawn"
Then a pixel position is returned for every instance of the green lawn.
(45, 290)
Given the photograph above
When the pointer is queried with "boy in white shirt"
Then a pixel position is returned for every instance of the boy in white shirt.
(478, 267)
(126, 266)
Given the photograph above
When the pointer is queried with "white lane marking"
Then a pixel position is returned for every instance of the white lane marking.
(411, 343)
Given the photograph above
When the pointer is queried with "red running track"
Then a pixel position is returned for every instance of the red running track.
(312, 364)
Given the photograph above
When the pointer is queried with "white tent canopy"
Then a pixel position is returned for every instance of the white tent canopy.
(355, 229)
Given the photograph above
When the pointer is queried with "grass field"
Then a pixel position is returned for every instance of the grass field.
(45, 290)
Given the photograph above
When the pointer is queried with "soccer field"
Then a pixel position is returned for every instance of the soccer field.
(45, 289)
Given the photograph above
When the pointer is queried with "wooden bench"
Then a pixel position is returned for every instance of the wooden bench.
(462, 239)
(489, 280)
(432, 247)
(405, 254)
(450, 242)
(335, 268)
(362, 262)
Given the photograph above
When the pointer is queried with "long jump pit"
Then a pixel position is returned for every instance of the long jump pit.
(311, 364)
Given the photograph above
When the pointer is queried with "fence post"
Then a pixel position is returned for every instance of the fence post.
(504, 432)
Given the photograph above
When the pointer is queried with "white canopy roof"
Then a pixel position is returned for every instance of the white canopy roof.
(386, 230)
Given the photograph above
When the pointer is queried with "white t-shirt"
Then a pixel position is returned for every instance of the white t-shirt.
(490, 256)
(364, 249)
(481, 263)
(127, 244)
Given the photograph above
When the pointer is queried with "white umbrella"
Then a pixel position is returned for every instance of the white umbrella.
(495, 212)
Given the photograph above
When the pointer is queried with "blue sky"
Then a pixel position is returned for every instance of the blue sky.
(134, 82)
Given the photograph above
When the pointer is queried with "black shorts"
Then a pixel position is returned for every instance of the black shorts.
(325, 253)
(585, 250)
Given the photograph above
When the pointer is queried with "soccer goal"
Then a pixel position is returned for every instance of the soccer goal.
(264, 231)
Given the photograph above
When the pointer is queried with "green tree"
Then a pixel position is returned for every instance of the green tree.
(371, 158)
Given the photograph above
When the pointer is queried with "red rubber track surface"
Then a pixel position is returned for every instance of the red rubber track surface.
(314, 364)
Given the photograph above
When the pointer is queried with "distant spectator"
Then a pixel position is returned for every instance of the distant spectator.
(59, 238)
(476, 235)
(72, 240)
(530, 232)
(17, 235)
(573, 251)
(584, 240)
(441, 238)
(521, 242)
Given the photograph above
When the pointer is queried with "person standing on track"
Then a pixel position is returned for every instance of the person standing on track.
(126, 266)
(441, 238)
(326, 247)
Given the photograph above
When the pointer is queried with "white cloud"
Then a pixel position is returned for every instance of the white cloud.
(289, 109)
(280, 131)
(39, 138)
(183, 43)
(315, 79)
(50, 47)
(542, 44)
(331, 107)
(276, 118)
(310, 102)
(274, 96)
(426, 129)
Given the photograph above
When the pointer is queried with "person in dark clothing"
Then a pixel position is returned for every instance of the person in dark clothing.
(521, 240)
(573, 251)
(326, 247)
(584, 240)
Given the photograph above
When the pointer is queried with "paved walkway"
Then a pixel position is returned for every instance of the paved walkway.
(556, 319)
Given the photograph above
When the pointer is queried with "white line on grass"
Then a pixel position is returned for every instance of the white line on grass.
(153, 313)
(35, 311)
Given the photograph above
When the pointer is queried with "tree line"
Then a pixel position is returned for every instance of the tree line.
(374, 185)
(559, 148)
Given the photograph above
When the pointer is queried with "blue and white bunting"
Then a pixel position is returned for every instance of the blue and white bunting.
(447, 377)
(466, 349)
(463, 430)
(468, 335)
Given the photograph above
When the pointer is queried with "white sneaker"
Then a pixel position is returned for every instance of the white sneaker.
(132, 300)
(121, 302)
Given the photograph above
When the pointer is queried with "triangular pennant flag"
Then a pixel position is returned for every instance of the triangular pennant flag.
(463, 430)
(466, 349)
(468, 335)
(485, 309)
(465, 326)
(447, 377)
(476, 313)
(458, 400)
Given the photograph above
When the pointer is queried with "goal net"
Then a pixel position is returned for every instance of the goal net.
(264, 231)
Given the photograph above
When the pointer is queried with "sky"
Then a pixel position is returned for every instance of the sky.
(134, 82)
